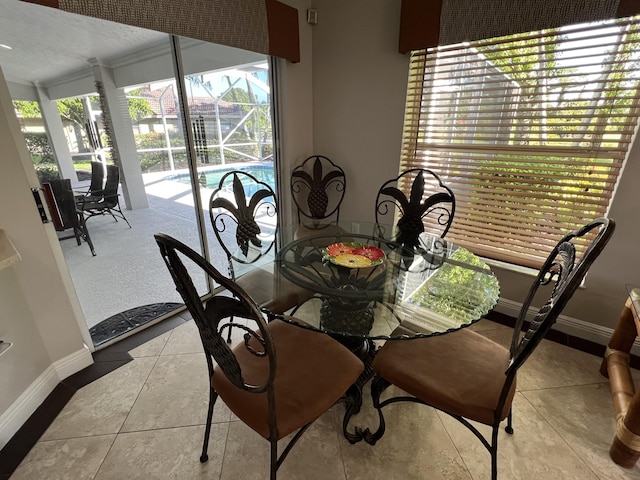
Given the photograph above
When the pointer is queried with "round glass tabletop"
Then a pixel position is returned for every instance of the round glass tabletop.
(371, 287)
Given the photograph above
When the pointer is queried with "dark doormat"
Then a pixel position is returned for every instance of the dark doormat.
(126, 321)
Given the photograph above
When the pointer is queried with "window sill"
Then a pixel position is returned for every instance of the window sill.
(531, 272)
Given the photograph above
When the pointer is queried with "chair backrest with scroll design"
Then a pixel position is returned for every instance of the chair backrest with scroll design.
(318, 187)
(566, 274)
(244, 376)
(217, 308)
(446, 368)
(243, 212)
(430, 205)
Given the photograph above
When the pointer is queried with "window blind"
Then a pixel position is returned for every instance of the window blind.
(530, 131)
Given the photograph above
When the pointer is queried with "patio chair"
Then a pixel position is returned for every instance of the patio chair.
(243, 212)
(312, 370)
(430, 206)
(467, 375)
(318, 187)
(64, 212)
(97, 181)
(105, 201)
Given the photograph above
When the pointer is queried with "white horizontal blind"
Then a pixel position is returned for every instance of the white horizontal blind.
(529, 131)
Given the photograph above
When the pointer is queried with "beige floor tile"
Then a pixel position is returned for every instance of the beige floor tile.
(563, 420)
(555, 365)
(152, 348)
(534, 451)
(585, 418)
(75, 458)
(102, 406)
(176, 394)
(415, 446)
(246, 454)
(316, 456)
(164, 454)
(552, 364)
(184, 339)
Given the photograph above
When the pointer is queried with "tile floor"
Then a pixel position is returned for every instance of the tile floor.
(145, 421)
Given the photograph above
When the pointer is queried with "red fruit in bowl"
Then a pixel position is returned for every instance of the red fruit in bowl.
(339, 249)
(372, 253)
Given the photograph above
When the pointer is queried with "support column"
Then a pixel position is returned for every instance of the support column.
(55, 132)
(123, 139)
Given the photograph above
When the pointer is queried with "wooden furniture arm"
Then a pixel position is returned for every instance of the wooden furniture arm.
(625, 449)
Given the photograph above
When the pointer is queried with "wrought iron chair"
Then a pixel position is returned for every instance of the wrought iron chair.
(243, 212)
(105, 201)
(430, 206)
(312, 370)
(64, 212)
(318, 187)
(470, 377)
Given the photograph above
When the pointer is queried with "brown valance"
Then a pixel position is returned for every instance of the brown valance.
(263, 26)
(429, 23)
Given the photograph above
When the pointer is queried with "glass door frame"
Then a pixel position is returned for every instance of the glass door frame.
(190, 146)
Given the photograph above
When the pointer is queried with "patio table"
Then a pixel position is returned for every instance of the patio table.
(370, 289)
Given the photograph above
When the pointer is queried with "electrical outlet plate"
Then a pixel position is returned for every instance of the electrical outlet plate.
(312, 16)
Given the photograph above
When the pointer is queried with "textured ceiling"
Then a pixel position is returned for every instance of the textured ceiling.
(48, 44)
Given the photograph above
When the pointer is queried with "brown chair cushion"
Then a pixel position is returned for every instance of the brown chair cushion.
(275, 293)
(313, 372)
(460, 372)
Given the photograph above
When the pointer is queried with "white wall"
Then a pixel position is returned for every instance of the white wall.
(295, 96)
(39, 311)
(23, 363)
(359, 89)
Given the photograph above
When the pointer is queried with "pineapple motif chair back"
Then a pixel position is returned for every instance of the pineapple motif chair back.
(318, 187)
(430, 206)
(243, 212)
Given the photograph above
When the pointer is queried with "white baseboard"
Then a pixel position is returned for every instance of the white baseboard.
(73, 363)
(569, 325)
(27, 403)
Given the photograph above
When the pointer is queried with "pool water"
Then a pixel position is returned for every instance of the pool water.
(209, 177)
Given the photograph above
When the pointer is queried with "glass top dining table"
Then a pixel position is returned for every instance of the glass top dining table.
(369, 286)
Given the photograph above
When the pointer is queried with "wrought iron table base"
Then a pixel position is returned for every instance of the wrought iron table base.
(365, 350)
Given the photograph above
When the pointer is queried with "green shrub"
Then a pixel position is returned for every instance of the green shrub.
(39, 148)
(47, 172)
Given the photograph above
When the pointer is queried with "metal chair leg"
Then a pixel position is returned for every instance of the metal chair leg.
(213, 396)
(509, 427)
(494, 452)
(273, 467)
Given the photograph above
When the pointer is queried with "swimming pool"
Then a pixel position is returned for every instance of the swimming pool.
(209, 177)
